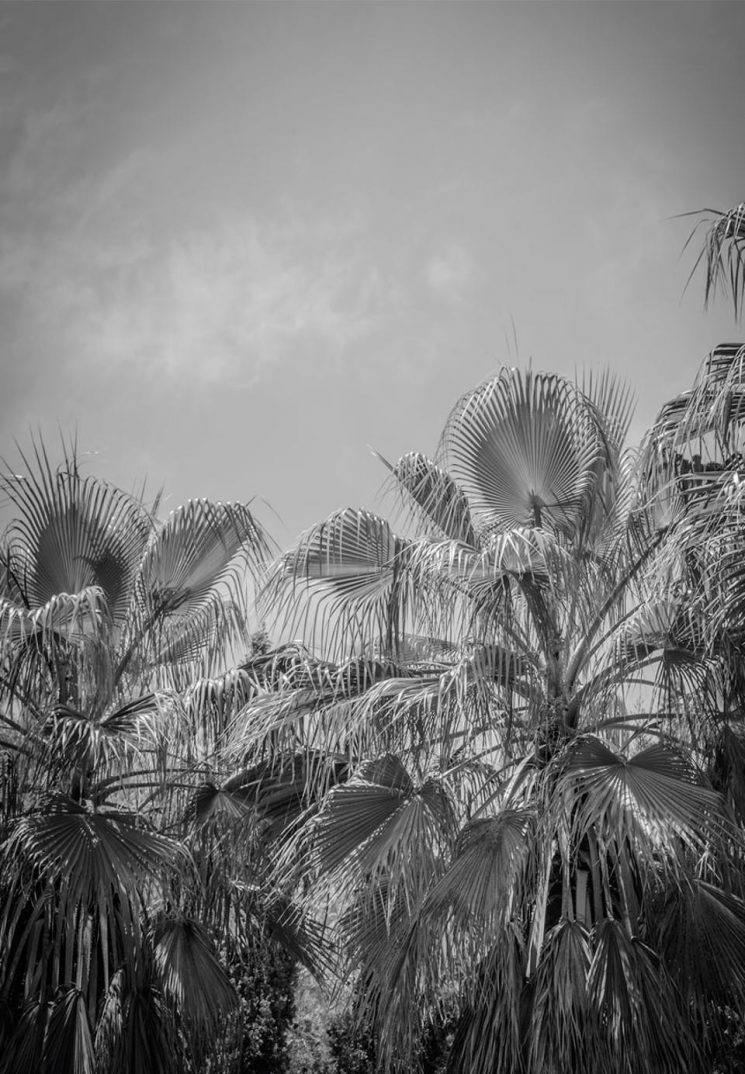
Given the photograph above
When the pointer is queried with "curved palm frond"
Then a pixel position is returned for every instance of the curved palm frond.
(379, 821)
(135, 1030)
(189, 584)
(347, 574)
(193, 977)
(68, 1044)
(637, 1007)
(723, 254)
(195, 551)
(435, 497)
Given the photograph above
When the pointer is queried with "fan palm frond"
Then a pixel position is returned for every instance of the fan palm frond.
(434, 496)
(348, 574)
(192, 975)
(526, 449)
(72, 533)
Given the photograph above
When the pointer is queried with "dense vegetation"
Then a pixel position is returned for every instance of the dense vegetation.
(498, 793)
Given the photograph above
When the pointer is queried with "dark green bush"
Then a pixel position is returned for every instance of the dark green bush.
(253, 1039)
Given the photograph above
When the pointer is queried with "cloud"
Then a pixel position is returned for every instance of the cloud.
(89, 270)
(231, 301)
(448, 272)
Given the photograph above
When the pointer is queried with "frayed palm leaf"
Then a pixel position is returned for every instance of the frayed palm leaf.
(701, 934)
(135, 1031)
(68, 1045)
(348, 571)
(485, 879)
(192, 975)
(638, 1021)
(489, 1035)
(73, 533)
(654, 797)
(560, 1016)
(723, 254)
(436, 499)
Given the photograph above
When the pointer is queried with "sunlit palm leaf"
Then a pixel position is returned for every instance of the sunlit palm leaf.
(525, 449)
(212, 704)
(195, 551)
(72, 617)
(192, 564)
(613, 401)
(348, 572)
(380, 823)
(438, 500)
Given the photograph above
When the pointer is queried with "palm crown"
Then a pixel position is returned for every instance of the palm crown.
(106, 615)
(527, 836)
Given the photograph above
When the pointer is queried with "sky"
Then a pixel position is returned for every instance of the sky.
(242, 243)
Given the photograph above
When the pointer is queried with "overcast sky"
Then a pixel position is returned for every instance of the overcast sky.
(239, 243)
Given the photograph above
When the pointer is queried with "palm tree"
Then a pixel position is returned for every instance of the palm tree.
(524, 832)
(106, 615)
(693, 463)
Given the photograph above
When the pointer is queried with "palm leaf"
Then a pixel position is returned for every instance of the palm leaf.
(525, 449)
(195, 551)
(639, 1019)
(68, 1044)
(192, 564)
(482, 884)
(701, 934)
(91, 852)
(560, 1017)
(436, 499)
(723, 254)
(134, 1029)
(97, 864)
(379, 824)
(489, 1035)
(72, 533)
(653, 795)
(193, 977)
(347, 574)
